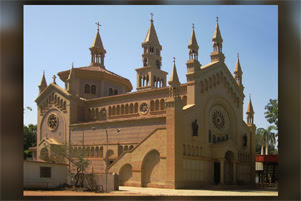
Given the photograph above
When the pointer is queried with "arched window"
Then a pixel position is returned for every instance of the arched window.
(87, 88)
(145, 62)
(110, 91)
(157, 52)
(115, 92)
(158, 64)
(93, 89)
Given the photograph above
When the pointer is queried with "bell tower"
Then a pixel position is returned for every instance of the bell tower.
(97, 51)
(151, 76)
(238, 73)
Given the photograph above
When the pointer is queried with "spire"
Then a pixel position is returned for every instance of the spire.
(71, 73)
(193, 44)
(250, 113)
(97, 43)
(250, 106)
(151, 36)
(217, 54)
(217, 37)
(238, 67)
(71, 82)
(97, 50)
(43, 83)
(174, 79)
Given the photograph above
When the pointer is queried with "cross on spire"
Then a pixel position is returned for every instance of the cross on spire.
(98, 25)
(152, 17)
(237, 55)
(216, 19)
(72, 64)
(249, 96)
(53, 77)
(174, 59)
(43, 72)
(193, 25)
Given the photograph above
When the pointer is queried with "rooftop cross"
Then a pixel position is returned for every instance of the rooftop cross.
(174, 59)
(54, 79)
(72, 64)
(193, 25)
(249, 96)
(216, 19)
(152, 17)
(237, 55)
(98, 25)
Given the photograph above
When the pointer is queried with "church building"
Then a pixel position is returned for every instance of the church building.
(166, 134)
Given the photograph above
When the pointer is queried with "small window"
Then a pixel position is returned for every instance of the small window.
(157, 52)
(158, 64)
(110, 91)
(115, 92)
(93, 89)
(145, 62)
(87, 89)
(45, 172)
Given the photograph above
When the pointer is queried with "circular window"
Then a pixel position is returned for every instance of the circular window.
(218, 120)
(143, 108)
(103, 112)
(52, 122)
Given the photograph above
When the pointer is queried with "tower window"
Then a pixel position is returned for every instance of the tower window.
(110, 91)
(115, 92)
(145, 50)
(93, 89)
(151, 50)
(157, 52)
(158, 64)
(145, 62)
(87, 89)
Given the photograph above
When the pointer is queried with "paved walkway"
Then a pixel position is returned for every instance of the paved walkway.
(138, 191)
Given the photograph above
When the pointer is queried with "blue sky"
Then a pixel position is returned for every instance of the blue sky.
(56, 36)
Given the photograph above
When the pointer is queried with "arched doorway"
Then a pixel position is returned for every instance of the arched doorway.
(125, 174)
(150, 170)
(228, 172)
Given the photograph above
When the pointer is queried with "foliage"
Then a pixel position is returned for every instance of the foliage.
(60, 153)
(30, 139)
(272, 112)
(265, 137)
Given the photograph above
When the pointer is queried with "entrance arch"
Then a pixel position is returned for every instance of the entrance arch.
(150, 170)
(125, 174)
(229, 157)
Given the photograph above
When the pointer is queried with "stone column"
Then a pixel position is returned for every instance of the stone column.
(234, 171)
(222, 171)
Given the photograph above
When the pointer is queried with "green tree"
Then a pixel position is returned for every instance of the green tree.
(265, 137)
(271, 113)
(76, 159)
(30, 139)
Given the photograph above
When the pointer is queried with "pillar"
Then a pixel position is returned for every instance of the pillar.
(234, 172)
(222, 171)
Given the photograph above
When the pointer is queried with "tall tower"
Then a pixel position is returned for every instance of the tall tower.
(217, 54)
(238, 73)
(97, 51)
(193, 64)
(151, 76)
(43, 83)
(174, 133)
(193, 67)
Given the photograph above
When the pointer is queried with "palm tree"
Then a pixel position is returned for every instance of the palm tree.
(266, 137)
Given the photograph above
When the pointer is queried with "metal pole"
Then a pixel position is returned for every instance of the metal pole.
(83, 153)
(107, 162)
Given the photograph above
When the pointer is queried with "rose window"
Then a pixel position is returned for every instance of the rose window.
(52, 122)
(218, 120)
(143, 108)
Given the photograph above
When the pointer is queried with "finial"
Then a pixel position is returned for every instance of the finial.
(54, 79)
(174, 60)
(249, 96)
(43, 72)
(152, 17)
(98, 25)
(216, 19)
(72, 64)
(237, 55)
(193, 25)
